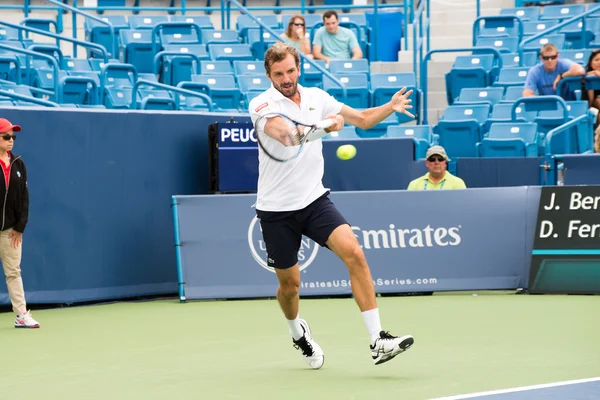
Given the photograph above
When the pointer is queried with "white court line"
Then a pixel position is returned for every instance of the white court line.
(518, 389)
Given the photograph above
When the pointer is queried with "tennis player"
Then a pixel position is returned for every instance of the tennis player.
(292, 201)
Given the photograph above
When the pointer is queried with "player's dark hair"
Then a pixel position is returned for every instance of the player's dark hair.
(277, 53)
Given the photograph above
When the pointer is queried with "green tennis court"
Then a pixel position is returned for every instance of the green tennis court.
(242, 350)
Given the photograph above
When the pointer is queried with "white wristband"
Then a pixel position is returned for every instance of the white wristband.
(320, 131)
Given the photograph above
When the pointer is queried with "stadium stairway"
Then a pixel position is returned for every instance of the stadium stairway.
(451, 27)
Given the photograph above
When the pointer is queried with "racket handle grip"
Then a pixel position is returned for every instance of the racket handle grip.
(326, 123)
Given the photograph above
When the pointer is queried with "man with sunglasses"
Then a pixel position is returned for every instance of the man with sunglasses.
(438, 177)
(544, 77)
(15, 213)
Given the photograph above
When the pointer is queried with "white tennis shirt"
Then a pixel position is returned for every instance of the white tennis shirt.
(294, 184)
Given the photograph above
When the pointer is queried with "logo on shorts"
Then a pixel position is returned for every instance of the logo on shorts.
(306, 255)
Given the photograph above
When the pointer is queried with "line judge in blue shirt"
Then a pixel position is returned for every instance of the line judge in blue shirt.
(544, 77)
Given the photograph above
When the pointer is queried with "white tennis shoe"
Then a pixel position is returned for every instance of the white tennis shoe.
(311, 351)
(387, 347)
(26, 321)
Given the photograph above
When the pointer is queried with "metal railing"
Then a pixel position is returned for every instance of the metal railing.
(556, 27)
(74, 11)
(39, 55)
(26, 7)
(28, 99)
(75, 42)
(140, 82)
(423, 38)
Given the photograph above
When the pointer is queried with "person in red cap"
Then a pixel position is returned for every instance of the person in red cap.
(14, 196)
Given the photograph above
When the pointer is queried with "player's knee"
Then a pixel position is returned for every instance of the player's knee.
(290, 286)
(354, 255)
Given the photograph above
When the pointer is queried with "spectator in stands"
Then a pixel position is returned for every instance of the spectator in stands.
(544, 77)
(438, 176)
(593, 69)
(295, 35)
(15, 213)
(333, 41)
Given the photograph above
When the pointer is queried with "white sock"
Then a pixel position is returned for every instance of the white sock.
(295, 328)
(373, 323)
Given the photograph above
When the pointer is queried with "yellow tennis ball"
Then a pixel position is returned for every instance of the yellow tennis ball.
(346, 152)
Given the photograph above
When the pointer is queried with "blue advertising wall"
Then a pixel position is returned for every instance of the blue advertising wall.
(414, 241)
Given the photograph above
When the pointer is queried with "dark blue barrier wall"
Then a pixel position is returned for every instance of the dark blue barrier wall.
(582, 169)
(414, 241)
(101, 185)
(492, 172)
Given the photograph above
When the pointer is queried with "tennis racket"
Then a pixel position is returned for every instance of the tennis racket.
(283, 138)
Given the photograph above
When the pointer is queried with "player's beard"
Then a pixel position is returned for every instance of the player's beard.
(288, 89)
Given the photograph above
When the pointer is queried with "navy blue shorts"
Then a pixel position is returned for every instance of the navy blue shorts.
(282, 230)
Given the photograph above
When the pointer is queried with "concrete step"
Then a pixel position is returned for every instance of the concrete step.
(436, 99)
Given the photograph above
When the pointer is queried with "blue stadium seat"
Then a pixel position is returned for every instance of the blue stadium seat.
(422, 136)
(244, 23)
(514, 60)
(384, 86)
(512, 94)
(349, 66)
(557, 39)
(497, 28)
(216, 67)
(460, 129)
(312, 77)
(222, 89)
(473, 71)
(230, 52)
(576, 37)
(562, 12)
(512, 76)
(97, 64)
(136, 48)
(525, 13)
(531, 28)
(503, 45)
(248, 96)
(253, 83)
(249, 68)
(93, 92)
(186, 34)
(489, 95)
(580, 56)
(349, 132)
(357, 18)
(177, 69)
(117, 98)
(8, 33)
(510, 139)
(260, 48)
(203, 21)
(99, 33)
(156, 100)
(76, 64)
(357, 89)
(220, 36)
(148, 22)
(8, 67)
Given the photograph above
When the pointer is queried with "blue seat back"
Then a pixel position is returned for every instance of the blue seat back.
(216, 67)
(222, 36)
(525, 13)
(253, 83)
(249, 67)
(146, 21)
(489, 95)
(349, 66)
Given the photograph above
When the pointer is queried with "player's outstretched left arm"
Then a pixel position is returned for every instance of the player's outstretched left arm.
(370, 117)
